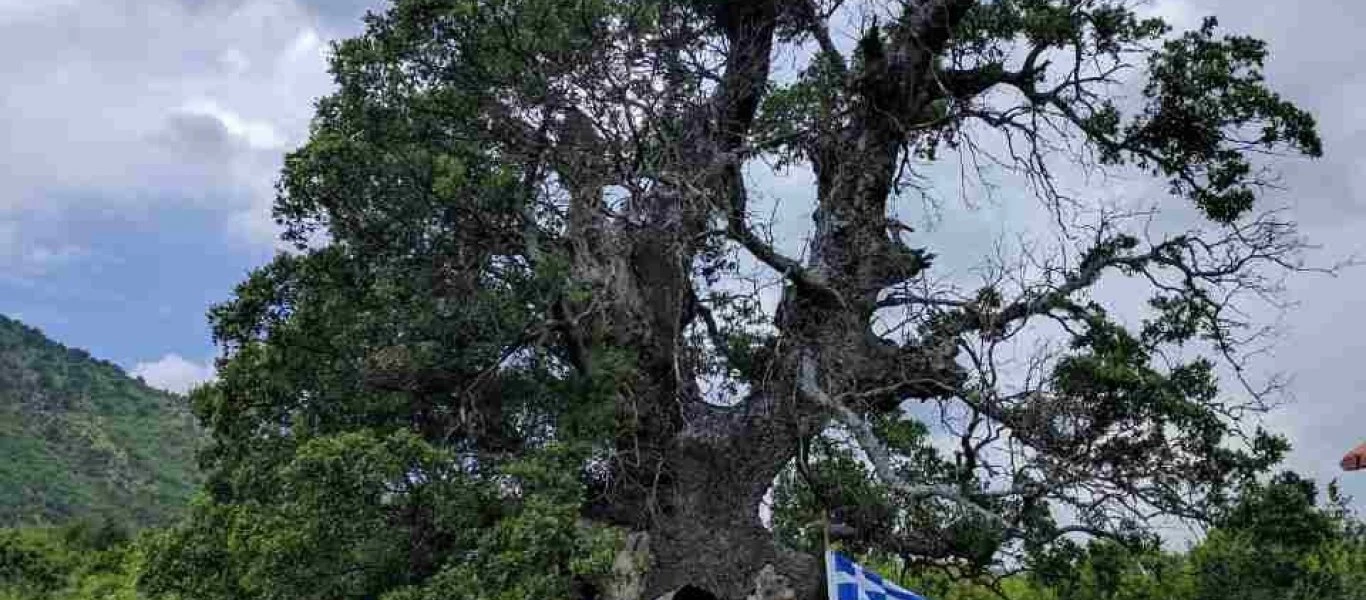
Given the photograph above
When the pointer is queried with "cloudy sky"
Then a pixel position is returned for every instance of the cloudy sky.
(141, 139)
(141, 142)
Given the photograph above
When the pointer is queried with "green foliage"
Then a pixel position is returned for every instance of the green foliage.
(357, 516)
(81, 438)
(1105, 28)
(1274, 542)
(391, 416)
(28, 563)
(84, 560)
(1168, 416)
(427, 404)
(1208, 105)
(1112, 571)
(829, 475)
(538, 549)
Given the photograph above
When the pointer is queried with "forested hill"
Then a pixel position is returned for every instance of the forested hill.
(81, 438)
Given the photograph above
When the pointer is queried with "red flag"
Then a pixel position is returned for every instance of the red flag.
(1355, 460)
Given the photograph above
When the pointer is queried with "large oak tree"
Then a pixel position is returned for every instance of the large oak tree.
(520, 320)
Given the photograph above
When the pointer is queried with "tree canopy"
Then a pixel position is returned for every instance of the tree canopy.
(523, 320)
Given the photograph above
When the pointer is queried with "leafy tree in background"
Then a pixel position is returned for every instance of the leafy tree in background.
(521, 323)
(84, 560)
(1275, 542)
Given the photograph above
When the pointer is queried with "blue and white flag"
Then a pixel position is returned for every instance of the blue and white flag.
(847, 580)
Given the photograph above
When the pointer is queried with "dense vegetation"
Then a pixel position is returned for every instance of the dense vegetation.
(535, 341)
(534, 310)
(80, 438)
(1275, 543)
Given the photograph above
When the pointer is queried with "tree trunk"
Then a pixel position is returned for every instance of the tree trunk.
(698, 472)
(709, 533)
(726, 558)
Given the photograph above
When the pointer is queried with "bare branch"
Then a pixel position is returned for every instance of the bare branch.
(877, 453)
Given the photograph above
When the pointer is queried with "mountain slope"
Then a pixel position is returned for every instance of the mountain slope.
(79, 437)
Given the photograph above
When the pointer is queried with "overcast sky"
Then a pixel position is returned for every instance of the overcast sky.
(141, 140)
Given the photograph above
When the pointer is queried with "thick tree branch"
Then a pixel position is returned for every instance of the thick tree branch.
(927, 25)
(749, 27)
(820, 30)
(969, 83)
(805, 279)
(877, 452)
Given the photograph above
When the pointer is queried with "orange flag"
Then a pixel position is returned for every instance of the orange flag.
(1355, 460)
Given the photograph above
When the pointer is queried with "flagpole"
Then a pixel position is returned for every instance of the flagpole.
(825, 531)
(825, 551)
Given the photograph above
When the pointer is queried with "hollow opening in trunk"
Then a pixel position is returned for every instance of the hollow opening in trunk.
(690, 592)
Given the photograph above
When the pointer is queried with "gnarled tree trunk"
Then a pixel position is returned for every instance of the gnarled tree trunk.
(698, 470)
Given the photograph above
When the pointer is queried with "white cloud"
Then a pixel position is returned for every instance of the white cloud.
(21, 10)
(260, 135)
(88, 124)
(174, 373)
(234, 61)
(1178, 13)
(307, 47)
(24, 258)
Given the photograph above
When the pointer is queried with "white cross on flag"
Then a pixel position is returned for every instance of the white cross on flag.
(847, 580)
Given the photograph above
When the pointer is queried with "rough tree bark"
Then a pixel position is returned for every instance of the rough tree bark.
(700, 470)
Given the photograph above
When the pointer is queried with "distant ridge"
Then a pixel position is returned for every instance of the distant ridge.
(81, 438)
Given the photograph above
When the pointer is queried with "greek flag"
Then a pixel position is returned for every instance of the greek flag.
(847, 580)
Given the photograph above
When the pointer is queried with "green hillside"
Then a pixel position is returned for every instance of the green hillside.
(79, 437)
